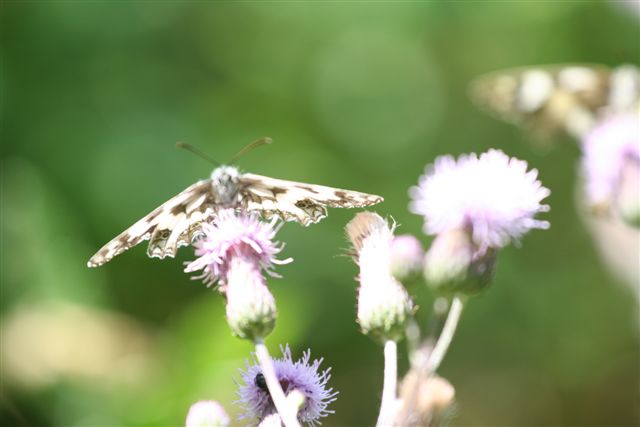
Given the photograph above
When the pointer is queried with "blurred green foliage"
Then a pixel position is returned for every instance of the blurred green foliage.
(359, 95)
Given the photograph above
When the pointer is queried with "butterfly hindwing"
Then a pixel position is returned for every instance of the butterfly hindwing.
(171, 225)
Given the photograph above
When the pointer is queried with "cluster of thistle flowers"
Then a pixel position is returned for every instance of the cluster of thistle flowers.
(474, 206)
(235, 253)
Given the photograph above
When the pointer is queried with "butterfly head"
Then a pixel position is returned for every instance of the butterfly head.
(224, 181)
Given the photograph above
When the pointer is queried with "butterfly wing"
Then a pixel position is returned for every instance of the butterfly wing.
(297, 201)
(546, 99)
(624, 91)
(171, 225)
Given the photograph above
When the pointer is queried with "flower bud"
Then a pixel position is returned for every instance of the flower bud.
(207, 413)
(251, 309)
(454, 264)
(384, 305)
(424, 399)
(406, 257)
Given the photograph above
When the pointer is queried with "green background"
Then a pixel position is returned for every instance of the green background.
(358, 95)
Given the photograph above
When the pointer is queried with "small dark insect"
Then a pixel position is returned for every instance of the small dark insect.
(260, 382)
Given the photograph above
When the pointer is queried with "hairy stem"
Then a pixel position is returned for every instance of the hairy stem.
(287, 413)
(442, 345)
(388, 404)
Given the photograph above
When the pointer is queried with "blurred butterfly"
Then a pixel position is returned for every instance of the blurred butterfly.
(178, 221)
(569, 98)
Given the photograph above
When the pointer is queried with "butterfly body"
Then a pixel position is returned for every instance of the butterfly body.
(224, 184)
(178, 221)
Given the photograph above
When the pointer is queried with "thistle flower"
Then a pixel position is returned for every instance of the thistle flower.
(383, 303)
(234, 252)
(300, 375)
(492, 196)
(611, 165)
(233, 235)
(406, 257)
(475, 206)
(207, 413)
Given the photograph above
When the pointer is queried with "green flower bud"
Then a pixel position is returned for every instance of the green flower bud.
(453, 264)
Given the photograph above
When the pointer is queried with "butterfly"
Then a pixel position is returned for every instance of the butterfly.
(178, 221)
(570, 98)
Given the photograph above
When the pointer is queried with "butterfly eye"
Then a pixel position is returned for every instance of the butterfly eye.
(260, 382)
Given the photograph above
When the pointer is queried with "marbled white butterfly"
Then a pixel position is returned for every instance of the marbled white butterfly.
(570, 98)
(177, 222)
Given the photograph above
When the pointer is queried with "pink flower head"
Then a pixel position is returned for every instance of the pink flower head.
(492, 196)
(609, 149)
(207, 413)
(300, 375)
(235, 235)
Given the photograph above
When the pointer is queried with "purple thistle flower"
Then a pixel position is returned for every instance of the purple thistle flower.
(207, 413)
(611, 164)
(300, 375)
(232, 235)
(234, 252)
(492, 196)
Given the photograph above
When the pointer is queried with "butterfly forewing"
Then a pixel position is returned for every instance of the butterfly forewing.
(169, 226)
(178, 222)
(297, 201)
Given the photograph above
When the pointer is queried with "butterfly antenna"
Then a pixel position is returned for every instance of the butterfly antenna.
(250, 147)
(197, 152)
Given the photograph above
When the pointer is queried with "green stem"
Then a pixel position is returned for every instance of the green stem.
(446, 336)
(287, 413)
(388, 403)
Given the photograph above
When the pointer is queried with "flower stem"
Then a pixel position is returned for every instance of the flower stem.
(287, 413)
(442, 345)
(388, 404)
